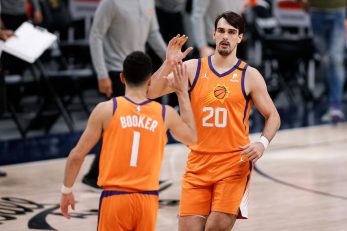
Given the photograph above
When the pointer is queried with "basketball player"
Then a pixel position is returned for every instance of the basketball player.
(222, 90)
(134, 135)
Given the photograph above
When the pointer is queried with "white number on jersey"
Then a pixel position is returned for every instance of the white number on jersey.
(135, 149)
(216, 117)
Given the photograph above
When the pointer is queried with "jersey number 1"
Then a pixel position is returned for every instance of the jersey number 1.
(135, 149)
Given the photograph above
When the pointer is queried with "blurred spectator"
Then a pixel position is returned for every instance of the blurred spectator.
(13, 13)
(56, 16)
(204, 13)
(327, 19)
(170, 18)
(119, 28)
(4, 35)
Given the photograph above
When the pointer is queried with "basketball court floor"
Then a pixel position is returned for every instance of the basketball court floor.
(300, 184)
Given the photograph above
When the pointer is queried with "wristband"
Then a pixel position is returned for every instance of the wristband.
(264, 141)
(65, 190)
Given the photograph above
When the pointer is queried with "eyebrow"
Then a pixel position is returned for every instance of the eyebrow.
(222, 28)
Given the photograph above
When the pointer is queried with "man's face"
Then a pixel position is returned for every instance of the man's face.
(226, 37)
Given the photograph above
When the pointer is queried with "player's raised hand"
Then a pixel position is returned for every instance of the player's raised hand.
(174, 52)
(179, 80)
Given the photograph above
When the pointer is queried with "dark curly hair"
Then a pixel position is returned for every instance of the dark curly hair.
(137, 68)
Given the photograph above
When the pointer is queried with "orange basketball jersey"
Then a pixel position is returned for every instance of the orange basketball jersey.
(133, 146)
(221, 107)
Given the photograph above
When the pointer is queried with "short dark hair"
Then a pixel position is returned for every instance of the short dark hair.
(137, 68)
(233, 19)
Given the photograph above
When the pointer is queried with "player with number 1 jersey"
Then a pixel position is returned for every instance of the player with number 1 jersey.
(134, 129)
(135, 137)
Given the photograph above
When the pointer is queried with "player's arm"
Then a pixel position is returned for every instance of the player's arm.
(89, 138)
(174, 55)
(181, 127)
(265, 105)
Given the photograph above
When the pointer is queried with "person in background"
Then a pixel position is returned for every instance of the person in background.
(14, 13)
(327, 21)
(170, 19)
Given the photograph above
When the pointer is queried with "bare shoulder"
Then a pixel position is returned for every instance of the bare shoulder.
(253, 77)
(104, 108)
(191, 62)
(104, 105)
(253, 72)
(192, 65)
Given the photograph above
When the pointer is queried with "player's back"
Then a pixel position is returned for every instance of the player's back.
(133, 146)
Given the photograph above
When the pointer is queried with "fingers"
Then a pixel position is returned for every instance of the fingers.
(252, 157)
(182, 40)
(109, 92)
(64, 209)
(179, 70)
(178, 41)
(173, 42)
(244, 147)
(252, 151)
(175, 71)
(66, 201)
(184, 70)
(186, 52)
(73, 205)
(105, 87)
(247, 151)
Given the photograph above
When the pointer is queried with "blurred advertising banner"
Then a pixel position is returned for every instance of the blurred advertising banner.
(83, 8)
(290, 13)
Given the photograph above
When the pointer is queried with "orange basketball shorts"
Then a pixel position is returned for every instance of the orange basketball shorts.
(216, 182)
(120, 211)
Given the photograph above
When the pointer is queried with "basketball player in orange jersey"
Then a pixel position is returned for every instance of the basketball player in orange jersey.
(222, 90)
(134, 136)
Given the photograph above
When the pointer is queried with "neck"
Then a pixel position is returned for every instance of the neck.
(222, 61)
(136, 94)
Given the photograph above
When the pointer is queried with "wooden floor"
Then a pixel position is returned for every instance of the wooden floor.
(299, 184)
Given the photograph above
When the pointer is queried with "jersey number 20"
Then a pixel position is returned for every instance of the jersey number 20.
(216, 117)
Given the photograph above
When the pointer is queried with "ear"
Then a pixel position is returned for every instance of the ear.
(214, 36)
(149, 82)
(122, 79)
(240, 38)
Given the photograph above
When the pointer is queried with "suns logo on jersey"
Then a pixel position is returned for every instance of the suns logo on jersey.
(218, 93)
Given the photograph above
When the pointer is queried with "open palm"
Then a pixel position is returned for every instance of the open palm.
(174, 52)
